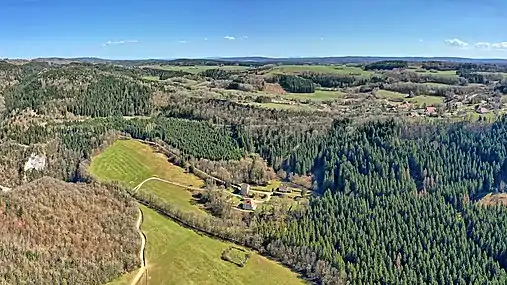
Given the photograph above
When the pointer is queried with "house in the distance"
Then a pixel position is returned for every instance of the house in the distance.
(430, 111)
(249, 204)
(245, 189)
(481, 110)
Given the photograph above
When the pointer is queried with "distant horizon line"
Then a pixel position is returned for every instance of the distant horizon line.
(258, 57)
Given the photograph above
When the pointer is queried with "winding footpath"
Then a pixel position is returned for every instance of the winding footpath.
(166, 181)
(141, 270)
(269, 194)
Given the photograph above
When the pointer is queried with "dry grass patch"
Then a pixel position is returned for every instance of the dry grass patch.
(493, 199)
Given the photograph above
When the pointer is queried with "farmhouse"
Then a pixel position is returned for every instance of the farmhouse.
(430, 111)
(249, 204)
(245, 189)
(481, 110)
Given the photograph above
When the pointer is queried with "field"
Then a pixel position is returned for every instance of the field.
(176, 255)
(170, 246)
(171, 194)
(197, 259)
(426, 99)
(319, 95)
(152, 78)
(336, 69)
(131, 162)
(197, 68)
(385, 94)
(450, 73)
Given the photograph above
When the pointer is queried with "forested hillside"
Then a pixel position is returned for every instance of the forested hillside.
(58, 233)
(399, 207)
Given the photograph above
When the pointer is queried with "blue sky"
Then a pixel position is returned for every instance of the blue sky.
(128, 29)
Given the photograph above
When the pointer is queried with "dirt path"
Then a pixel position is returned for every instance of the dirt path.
(200, 189)
(169, 182)
(141, 270)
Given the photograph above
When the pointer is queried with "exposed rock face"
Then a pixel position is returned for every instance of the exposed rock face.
(2, 103)
(35, 161)
(4, 189)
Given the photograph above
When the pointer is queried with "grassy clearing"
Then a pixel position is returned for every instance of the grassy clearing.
(130, 162)
(282, 202)
(426, 99)
(493, 199)
(473, 116)
(449, 73)
(171, 194)
(319, 95)
(177, 255)
(386, 94)
(335, 69)
(151, 78)
(417, 100)
(198, 68)
(272, 185)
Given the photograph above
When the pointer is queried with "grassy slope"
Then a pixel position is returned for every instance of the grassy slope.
(130, 162)
(180, 256)
(449, 73)
(199, 68)
(319, 95)
(386, 94)
(426, 99)
(177, 255)
(418, 100)
(338, 69)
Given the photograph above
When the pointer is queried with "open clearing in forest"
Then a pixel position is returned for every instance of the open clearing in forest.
(176, 255)
(130, 162)
(493, 199)
(429, 100)
(319, 95)
(334, 69)
(197, 68)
